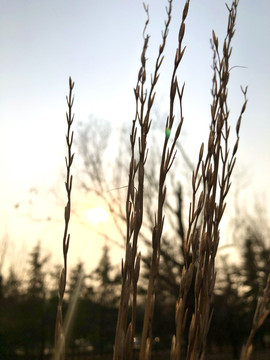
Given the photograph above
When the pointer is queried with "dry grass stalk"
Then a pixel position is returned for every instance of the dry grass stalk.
(261, 313)
(59, 353)
(212, 175)
(134, 203)
(206, 210)
(168, 155)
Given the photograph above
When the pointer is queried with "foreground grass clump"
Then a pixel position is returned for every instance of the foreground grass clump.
(211, 181)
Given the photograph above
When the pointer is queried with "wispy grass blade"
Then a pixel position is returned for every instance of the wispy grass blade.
(135, 195)
(168, 155)
(59, 352)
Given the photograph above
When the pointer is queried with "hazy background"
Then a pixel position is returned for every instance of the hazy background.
(99, 43)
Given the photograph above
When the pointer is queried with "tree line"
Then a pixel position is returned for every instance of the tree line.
(28, 305)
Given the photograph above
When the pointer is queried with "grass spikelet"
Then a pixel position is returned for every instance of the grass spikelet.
(59, 351)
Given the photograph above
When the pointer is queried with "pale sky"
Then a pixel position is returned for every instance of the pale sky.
(98, 44)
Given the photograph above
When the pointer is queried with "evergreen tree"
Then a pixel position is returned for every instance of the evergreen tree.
(11, 316)
(228, 325)
(36, 283)
(36, 330)
(256, 268)
(106, 284)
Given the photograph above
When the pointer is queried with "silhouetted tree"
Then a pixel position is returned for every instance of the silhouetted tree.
(229, 311)
(106, 281)
(11, 318)
(34, 304)
(256, 267)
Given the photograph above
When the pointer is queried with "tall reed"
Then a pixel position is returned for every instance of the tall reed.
(59, 351)
(212, 176)
(167, 158)
(134, 203)
(211, 181)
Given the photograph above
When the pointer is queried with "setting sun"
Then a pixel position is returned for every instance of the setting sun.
(97, 215)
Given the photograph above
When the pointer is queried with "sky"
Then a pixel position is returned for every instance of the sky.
(98, 44)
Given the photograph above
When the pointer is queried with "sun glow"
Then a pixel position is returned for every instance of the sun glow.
(97, 215)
